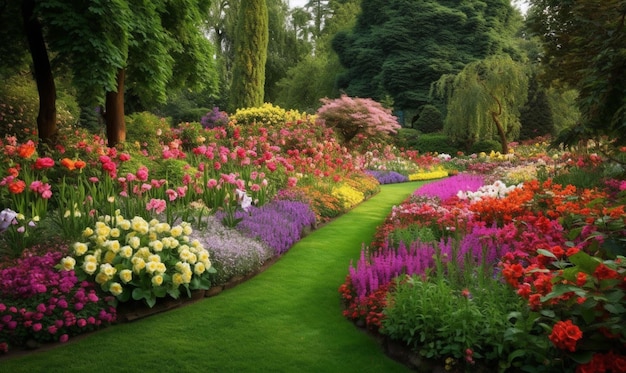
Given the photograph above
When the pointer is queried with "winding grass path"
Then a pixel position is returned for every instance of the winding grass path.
(286, 319)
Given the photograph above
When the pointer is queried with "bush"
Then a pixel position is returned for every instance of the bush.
(430, 120)
(147, 130)
(440, 143)
(352, 117)
(486, 146)
(407, 138)
(214, 118)
(267, 115)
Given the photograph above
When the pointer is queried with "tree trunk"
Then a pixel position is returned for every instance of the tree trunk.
(114, 112)
(47, 116)
(495, 115)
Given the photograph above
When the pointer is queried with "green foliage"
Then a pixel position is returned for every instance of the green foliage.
(429, 120)
(401, 47)
(565, 112)
(536, 117)
(407, 138)
(584, 43)
(19, 106)
(434, 318)
(486, 146)
(484, 101)
(190, 133)
(431, 143)
(147, 130)
(412, 233)
(250, 47)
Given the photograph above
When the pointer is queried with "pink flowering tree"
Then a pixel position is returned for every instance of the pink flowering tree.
(357, 117)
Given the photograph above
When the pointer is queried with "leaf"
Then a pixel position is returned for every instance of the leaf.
(547, 253)
(584, 261)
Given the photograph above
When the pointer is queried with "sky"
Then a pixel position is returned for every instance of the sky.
(299, 3)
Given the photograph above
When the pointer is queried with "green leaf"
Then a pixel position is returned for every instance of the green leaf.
(584, 261)
(546, 253)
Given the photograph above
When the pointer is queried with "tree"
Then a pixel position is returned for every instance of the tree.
(400, 47)
(585, 47)
(250, 46)
(484, 101)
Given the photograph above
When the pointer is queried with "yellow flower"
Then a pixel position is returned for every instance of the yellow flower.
(139, 225)
(143, 252)
(109, 256)
(91, 259)
(101, 278)
(87, 232)
(126, 251)
(124, 224)
(138, 264)
(157, 280)
(90, 267)
(134, 242)
(68, 263)
(199, 268)
(154, 258)
(115, 288)
(108, 269)
(162, 227)
(185, 255)
(80, 248)
(113, 246)
(152, 267)
(115, 233)
(157, 246)
(126, 275)
(161, 267)
(176, 231)
(187, 230)
(177, 279)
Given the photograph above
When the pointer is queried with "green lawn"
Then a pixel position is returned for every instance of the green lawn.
(286, 319)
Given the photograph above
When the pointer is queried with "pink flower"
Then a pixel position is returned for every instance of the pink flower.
(142, 173)
(212, 183)
(171, 194)
(81, 323)
(158, 205)
(37, 327)
(64, 338)
(292, 181)
(43, 163)
(124, 157)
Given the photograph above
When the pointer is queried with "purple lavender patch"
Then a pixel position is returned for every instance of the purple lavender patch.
(387, 177)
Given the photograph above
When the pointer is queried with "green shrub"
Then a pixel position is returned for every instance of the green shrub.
(147, 130)
(406, 138)
(430, 120)
(191, 134)
(486, 146)
(412, 233)
(436, 142)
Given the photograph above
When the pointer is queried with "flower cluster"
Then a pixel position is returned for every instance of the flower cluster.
(145, 260)
(41, 304)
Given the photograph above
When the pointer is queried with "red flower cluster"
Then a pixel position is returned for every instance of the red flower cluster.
(565, 335)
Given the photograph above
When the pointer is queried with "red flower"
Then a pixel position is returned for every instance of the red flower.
(80, 164)
(603, 272)
(17, 186)
(26, 150)
(565, 335)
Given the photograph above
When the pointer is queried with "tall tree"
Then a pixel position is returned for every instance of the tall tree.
(585, 47)
(484, 101)
(400, 47)
(250, 45)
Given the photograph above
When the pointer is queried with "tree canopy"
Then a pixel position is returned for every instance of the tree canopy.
(585, 47)
(400, 47)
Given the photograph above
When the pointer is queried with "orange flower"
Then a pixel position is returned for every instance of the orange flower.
(80, 164)
(14, 171)
(17, 186)
(26, 150)
(68, 163)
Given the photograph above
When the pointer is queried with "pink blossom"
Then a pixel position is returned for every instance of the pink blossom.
(124, 157)
(211, 183)
(63, 338)
(142, 173)
(158, 205)
(171, 194)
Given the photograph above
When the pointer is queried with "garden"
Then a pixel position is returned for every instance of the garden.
(495, 262)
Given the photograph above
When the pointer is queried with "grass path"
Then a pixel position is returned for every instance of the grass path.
(286, 319)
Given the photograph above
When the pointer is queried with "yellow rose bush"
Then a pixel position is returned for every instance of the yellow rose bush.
(140, 260)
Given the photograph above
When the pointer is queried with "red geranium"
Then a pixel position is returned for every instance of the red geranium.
(565, 335)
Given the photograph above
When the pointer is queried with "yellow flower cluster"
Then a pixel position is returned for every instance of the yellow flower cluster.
(428, 175)
(348, 196)
(268, 115)
(122, 253)
(520, 174)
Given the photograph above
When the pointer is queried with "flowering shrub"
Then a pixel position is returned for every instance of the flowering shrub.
(232, 253)
(41, 304)
(428, 175)
(388, 177)
(140, 260)
(357, 116)
(266, 115)
(215, 118)
(349, 196)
